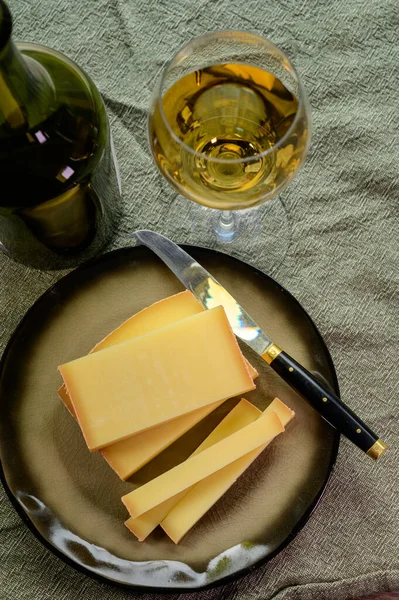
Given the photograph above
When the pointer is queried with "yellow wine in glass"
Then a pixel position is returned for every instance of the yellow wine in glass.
(229, 123)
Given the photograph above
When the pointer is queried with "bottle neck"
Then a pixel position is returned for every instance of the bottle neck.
(26, 90)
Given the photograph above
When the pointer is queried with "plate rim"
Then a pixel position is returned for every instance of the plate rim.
(227, 578)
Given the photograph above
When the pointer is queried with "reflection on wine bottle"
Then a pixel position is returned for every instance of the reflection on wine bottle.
(59, 192)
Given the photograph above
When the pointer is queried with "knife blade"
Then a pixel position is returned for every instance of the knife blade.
(210, 293)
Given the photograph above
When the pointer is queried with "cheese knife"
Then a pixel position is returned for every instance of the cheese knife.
(210, 293)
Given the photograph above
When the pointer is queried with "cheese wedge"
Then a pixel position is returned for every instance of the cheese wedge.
(195, 468)
(202, 496)
(153, 378)
(162, 313)
(240, 416)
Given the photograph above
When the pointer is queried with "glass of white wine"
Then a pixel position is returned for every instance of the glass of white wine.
(229, 124)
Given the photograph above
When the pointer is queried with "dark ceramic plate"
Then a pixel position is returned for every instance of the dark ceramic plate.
(71, 499)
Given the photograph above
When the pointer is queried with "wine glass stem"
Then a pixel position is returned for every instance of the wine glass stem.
(227, 220)
(226, 228)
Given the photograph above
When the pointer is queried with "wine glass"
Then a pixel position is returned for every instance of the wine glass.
(229, 124)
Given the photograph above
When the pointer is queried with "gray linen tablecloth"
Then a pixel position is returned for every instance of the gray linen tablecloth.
(335, 234)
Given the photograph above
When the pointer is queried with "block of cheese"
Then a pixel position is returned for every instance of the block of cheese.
(260, 432)
(156, 377)
(202, 496)
(128, 456)
(240, 416)
(166, 311)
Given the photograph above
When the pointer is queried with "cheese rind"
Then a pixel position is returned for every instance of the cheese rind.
(240, 416)
(202, 496)
(195, 468)
(156, 377)
(64, 396)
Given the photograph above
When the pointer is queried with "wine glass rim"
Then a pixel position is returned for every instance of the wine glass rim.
(301, 100)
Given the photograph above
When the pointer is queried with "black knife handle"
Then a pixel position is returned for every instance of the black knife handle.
(331, 408)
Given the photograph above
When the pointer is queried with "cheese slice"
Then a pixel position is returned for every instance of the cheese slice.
(240, 416)
(195, 468)
(201, 497)
(156, 377)
(166, 311)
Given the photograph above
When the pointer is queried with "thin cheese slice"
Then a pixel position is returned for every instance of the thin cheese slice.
(156, 377)
(162, 313)
(241, 415)
(202, 496)
(195, 468)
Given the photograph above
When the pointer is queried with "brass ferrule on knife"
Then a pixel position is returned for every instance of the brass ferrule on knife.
(271, 353)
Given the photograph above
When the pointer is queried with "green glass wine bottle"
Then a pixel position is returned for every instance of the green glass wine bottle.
(59, 186)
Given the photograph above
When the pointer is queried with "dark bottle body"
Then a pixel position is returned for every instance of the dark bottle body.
(59, 189)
